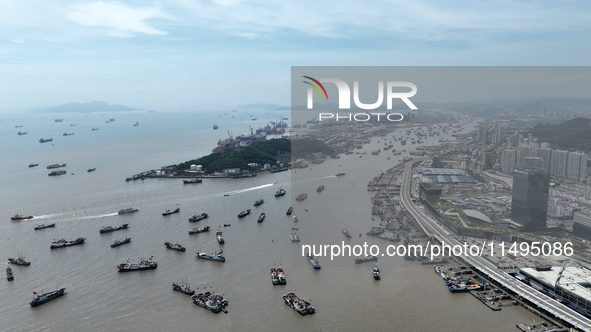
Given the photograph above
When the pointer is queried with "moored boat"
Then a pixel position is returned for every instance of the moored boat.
(218, 235)
(340, 174)
(120, 242)
(301, 197)
(198, 217)
(142, 265)
(259, 202)
(280, 192)
(199, 230)
(244, 213)
(216, 256)
(18, 217)
(33, 165)
(300, 305)
(55, 166)
(169, 212)
(175, 246)
(346, 232)
(277, 276)
(128, 210)
(295, 218)
(9, 275)
(55, 173)
(294, 237)
(39, 299)
(91, 170)
(19, 260)
(64, 243)
(289, 211)
(45, 140)
(320, 188)
(313, 261)
(281, 276)
(375, 270)
(183, 287)
(261, 217)
(42, 226)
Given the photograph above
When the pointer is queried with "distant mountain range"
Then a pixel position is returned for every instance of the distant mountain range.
(91, 107)
(573, 134)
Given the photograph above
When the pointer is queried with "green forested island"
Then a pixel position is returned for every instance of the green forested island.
(573, 134)
(269, 151)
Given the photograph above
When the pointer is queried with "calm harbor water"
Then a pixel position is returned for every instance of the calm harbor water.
(409, 297)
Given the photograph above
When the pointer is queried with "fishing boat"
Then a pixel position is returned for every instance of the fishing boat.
(39, 299)
(218, 235)
(346, 233)
(42, 226)
(376, 272)
(195, 218)
(261, 217)
(91, 170)
(340, 174)
(108, 229)
(319, 189)
(33, 165)
(280, 192)
(183, 287)
(128, 210)
(301, 197)
(199, 230)
(193, 180)
(19, 260)
(216, 256)
(295, 218)
(175, 246)
(244, 213)
(277, 276)
(142, 265)
(210, 301)
(294, 237)
(300, 305)
(18, 217)
(120, 242)
(169, 212)
(366, 259)
(289, 211)
(259, 202)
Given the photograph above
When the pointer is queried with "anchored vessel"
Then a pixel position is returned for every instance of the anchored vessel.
(128, 210)
(167, 212)
(43, 140)
(319, 189)
(301, 197)
(120, 242)
(199, 217)
(261, 217)
(19, 260)
(218, 235)
(366, 259)
(91, 170)
(280, 192)
(210, 301)
(300, 305)
(346, 233)
(340, 174)
(9, 275)
(216, 256)
(142, 265)
(55, 166)
(64, 243)
(54, 173)
(294, 237)
(33, 165)
(175, 246)
(39, 299)
(193, 180)
(107, 229)
(313, 261)
(183, 287)
(199, 230)
(277, 276)
(18, 217)
(289, 211)
(375, 271)
(244, 213)
(259, 202)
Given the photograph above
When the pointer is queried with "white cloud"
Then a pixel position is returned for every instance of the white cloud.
(120, 19)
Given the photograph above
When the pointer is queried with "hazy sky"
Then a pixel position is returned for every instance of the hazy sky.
(231, 52)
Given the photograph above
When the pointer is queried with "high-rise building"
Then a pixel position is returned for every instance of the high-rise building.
(513, 140)
(508, 161)
(532, 162)
(559, 163)
(524, 152)
(546, 155)
(582, 223)
(529, 205)
(482, 134)
(577, 166)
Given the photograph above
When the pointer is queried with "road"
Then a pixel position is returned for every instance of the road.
(433, 229)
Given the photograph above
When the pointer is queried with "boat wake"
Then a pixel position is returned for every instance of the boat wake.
(100, 216)
(250, 189)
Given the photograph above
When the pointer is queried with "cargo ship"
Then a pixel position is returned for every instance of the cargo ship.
(120, 242)
(45, 140)
(169, 212)
(107, 229)
(39, 299)
(231, 142)
(55, 173)
(128, 210)
(18, 217)
(216, 256)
